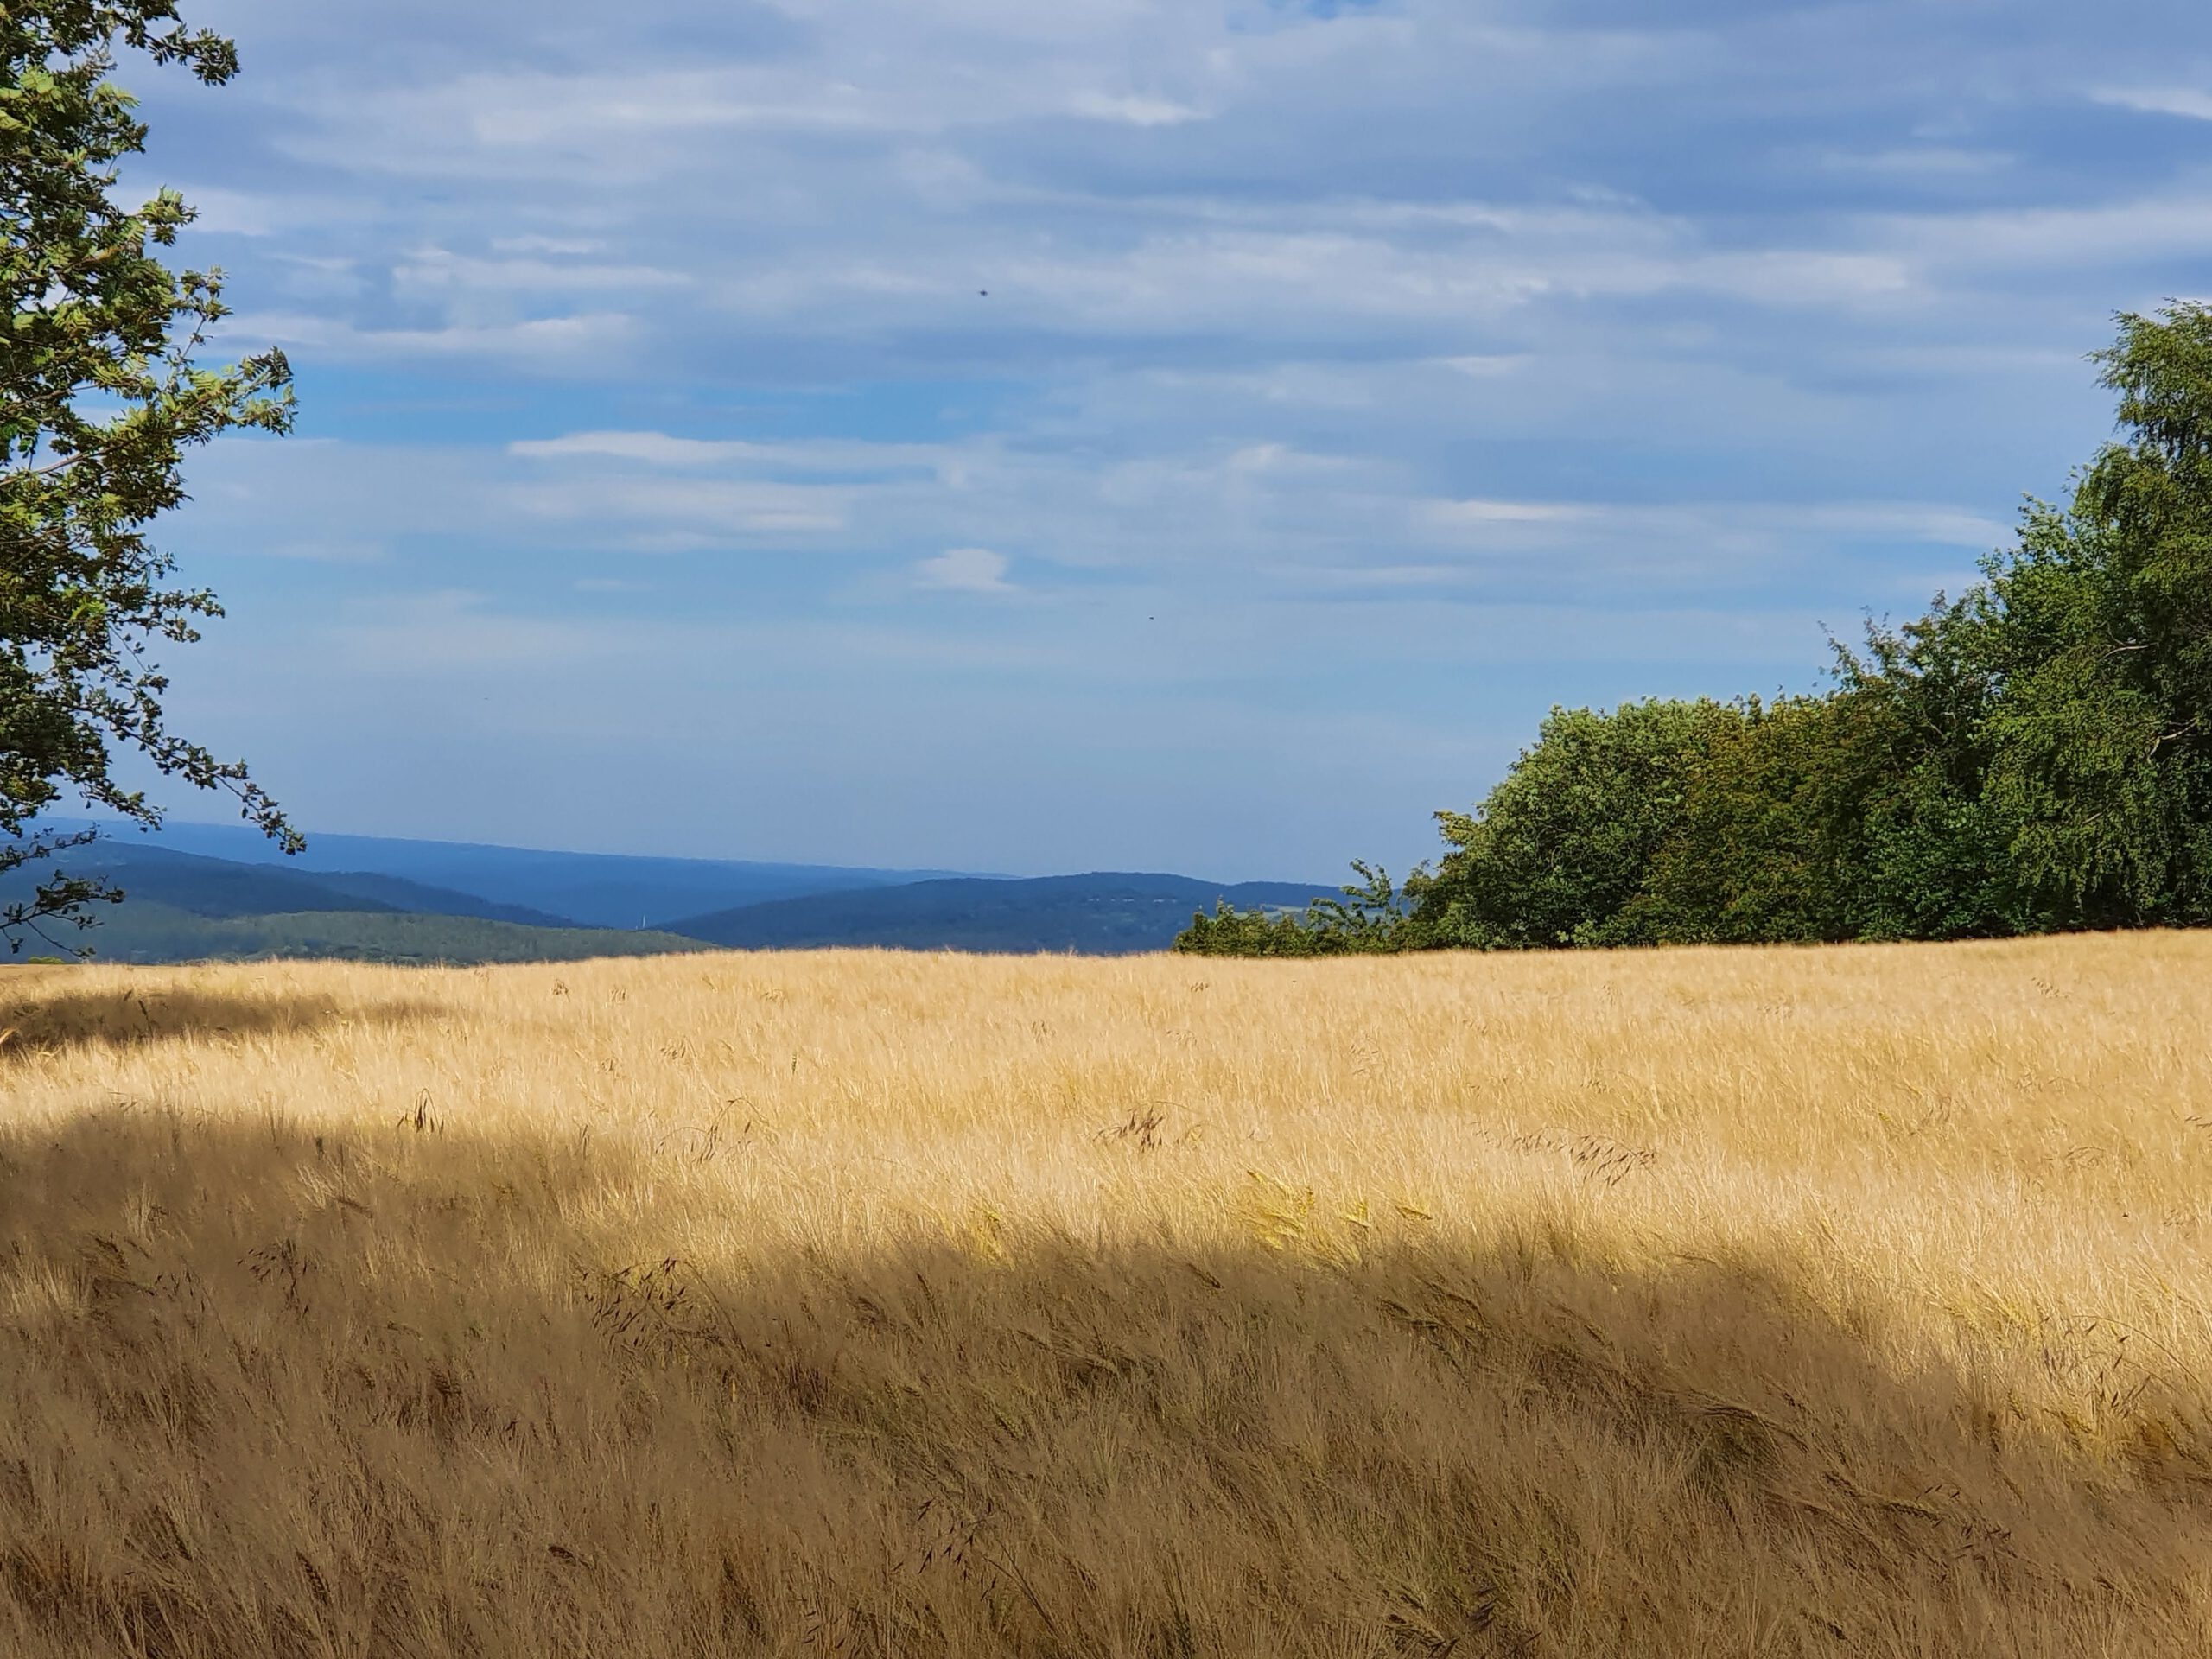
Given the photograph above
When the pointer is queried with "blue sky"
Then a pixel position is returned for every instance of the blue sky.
(1353, 383)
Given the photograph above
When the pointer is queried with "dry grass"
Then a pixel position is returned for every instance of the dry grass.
(1835, 1302)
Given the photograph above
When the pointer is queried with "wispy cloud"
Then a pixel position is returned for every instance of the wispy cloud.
(666, 515)
(1287, 363)
(965, 570)
(660, 449)
(2194, 102)
(1508, 512)
(1135, 110)
(576, 344)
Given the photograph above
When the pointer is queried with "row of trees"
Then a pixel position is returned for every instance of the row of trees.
(2029, 757)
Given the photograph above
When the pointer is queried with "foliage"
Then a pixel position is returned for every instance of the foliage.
(100, 394)
(1755, 849)
(2033, 755)
(2102, 626)
(1560, 849)
(1368, 918)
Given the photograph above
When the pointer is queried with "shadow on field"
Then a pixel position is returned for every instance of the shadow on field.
(36, 1020)
(268, 1391)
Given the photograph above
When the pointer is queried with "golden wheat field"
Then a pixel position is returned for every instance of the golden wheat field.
(1763, 1302)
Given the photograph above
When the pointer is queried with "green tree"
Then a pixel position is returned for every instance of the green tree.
(2098, 629)
(1930, 850)
(100, 394)
(1760, 848)
(1559, 852)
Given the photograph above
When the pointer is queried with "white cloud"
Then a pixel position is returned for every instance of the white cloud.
(325, 551)
(1507, 512)
(965, 570)
(437, 270)
(653, 449)
(556, 344)
(677, 515)
(2111, 231)
(2194, 102)
(1698, 542)
(536, 242)
(1487, 366)
(233, 213)
(661, 449)
(1135, 111)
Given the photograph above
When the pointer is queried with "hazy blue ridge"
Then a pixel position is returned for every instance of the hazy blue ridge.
(1105, 913)
(185, 905)
(372, 891)
(210, 887)
(220, 887)
(590, 889)
(142, 931)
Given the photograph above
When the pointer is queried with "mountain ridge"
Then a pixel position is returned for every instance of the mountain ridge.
(181, 905)
(217, 889)
(620, 890)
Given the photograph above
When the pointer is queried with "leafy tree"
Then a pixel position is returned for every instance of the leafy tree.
(1930, 855)
(1560, 850)
(100, 393)
(2100, 629)
(1760, 847)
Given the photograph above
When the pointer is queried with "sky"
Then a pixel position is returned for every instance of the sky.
(1191, 435)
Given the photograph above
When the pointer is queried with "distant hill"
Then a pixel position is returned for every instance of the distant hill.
(1103, 914)
(370, 891)
(594, 889)
(142, 931)
(184, 905)
(217, 887)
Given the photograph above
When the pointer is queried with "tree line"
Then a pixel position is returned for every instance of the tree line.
(2029, 757)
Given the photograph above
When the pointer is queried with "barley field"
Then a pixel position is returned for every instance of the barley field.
(1760, 1302)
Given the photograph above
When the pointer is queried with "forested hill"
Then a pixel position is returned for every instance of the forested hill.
(585, 889)
(182, 907)
(142, 930)
(219, 888)
(1102, 914)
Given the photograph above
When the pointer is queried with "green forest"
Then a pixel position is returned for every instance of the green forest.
(2030, 756)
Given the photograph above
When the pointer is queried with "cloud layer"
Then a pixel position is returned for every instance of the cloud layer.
(1119, 433)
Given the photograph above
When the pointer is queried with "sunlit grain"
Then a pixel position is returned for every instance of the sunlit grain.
(1768, 1302)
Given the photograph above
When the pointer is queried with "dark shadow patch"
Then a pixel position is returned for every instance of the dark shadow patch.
(39, 1020)
(270, 1390)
